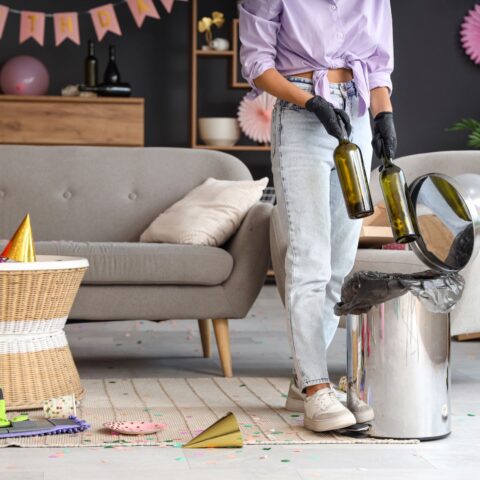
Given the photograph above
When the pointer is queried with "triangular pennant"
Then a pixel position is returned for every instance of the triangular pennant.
(66, 26)
(168, 4)
(141, 9)
(32, 25)
(224, 433)
(21, 247)
(3, 18)
(105, 20)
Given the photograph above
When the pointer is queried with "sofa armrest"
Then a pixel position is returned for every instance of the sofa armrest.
(250, 249)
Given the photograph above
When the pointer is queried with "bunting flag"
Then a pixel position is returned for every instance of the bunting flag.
(168, 4)
(105, 20)
(65, 26)
(3, 18)
(142, 9)
(32, 25)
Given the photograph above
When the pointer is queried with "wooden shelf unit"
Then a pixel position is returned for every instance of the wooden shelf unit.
(198, 53)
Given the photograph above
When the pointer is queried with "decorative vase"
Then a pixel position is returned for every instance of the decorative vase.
(219, 131)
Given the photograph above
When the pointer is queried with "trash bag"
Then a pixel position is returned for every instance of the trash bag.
(438, 292)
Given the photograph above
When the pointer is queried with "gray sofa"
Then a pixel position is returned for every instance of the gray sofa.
(466, 315)
(94, 202)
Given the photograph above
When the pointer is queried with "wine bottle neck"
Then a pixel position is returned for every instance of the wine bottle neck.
(387, 161)
(91, 48)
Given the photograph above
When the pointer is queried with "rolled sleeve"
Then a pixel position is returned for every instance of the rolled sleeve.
(259, 25)
(380, 64)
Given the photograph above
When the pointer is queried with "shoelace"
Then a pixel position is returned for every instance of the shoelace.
(325, 400)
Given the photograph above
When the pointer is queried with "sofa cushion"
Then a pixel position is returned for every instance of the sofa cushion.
(146, 264)
(388, 261)
(208, 215)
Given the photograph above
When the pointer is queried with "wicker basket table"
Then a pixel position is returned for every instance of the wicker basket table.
(35, 360)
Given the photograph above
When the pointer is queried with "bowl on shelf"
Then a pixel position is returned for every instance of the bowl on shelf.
(219, 131)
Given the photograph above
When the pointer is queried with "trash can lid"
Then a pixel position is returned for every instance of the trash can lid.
(447, 222)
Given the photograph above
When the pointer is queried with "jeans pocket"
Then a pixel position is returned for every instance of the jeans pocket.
(284, 105)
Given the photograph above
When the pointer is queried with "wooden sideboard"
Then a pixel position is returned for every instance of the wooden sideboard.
(51, 120)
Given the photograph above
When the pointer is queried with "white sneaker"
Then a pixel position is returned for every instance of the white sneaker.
(296, 403)
(362, 411)
(323, 412)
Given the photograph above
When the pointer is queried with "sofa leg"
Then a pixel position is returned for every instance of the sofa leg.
(220, 327)
(204, 327)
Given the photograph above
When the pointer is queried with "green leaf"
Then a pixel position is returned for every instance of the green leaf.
(474, 139)
(465, 124)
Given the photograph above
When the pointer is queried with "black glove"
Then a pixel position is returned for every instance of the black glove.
(330, 117)
(384, 135)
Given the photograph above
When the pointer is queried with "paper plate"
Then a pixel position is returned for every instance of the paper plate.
(134, 428)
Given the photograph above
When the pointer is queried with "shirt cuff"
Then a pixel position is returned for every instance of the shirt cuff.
(380, 79)
(258, 69)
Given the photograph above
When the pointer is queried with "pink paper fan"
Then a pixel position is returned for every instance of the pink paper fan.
(255, 117)
(470, 34)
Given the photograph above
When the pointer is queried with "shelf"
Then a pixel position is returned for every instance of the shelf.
(214, 53)
(237, 148)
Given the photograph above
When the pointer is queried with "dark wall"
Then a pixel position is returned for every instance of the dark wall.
(435, 83)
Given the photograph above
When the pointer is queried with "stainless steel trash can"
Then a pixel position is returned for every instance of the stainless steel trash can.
(399, 363)
(399, 352)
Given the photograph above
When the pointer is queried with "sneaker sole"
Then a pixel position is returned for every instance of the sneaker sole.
(335, 423)
(297, 405)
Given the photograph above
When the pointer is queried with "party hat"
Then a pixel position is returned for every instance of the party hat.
(21, 248)
(223, 433)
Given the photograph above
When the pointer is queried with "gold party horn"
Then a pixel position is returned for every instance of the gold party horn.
(224, 433)
(21, 247)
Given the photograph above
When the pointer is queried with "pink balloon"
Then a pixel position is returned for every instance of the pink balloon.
(24, 75)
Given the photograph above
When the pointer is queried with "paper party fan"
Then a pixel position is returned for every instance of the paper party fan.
(470, 34)
(255, 117)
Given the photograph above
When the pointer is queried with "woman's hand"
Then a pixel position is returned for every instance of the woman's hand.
(384, 135)
(330, 117)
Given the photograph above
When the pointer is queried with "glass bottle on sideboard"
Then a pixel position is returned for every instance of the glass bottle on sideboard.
(91, 66)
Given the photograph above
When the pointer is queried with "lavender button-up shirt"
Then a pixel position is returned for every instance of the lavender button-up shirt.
(296, 36)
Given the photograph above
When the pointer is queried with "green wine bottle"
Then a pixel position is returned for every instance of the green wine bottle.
(353, 179)
(398, 202)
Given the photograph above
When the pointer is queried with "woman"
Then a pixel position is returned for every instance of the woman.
(328, 62)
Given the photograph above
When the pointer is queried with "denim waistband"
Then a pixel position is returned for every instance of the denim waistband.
(346, 87)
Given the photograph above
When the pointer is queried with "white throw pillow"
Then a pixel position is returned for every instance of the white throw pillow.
(208, 215)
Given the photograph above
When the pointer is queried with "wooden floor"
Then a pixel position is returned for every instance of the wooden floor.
(259, 348)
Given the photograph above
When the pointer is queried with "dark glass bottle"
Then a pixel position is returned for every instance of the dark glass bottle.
(112, 75)
(398, 202)
(353, 179)
(91, 66)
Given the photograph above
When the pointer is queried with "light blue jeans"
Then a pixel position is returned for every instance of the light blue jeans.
(322, 239)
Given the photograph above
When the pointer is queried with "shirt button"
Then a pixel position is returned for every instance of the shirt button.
(132, 196)
(333, 7)
(67, 195)
(339, 35)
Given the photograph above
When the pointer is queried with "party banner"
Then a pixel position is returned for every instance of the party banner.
(142, 9)
(65, 26)
(32, 25)
(168, 4)
(105, 20)
(3, 18)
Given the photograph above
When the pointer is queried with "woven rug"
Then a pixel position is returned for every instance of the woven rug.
(187, 406)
